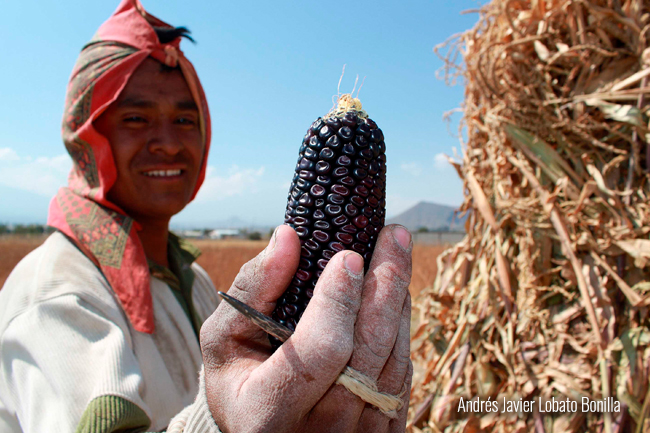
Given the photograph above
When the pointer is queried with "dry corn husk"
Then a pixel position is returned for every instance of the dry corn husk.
(547, 296)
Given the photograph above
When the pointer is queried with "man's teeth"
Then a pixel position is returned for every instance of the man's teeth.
(163, 173)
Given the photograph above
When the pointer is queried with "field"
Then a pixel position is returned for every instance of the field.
(222, 259)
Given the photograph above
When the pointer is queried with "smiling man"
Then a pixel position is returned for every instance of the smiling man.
(99, 327)
(158, 150)
(110, 325)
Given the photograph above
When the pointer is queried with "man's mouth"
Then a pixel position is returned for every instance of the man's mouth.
(163, 173)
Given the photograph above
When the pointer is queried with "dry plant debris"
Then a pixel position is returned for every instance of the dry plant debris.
(547, 295)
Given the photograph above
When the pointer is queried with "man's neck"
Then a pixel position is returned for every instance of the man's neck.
(154, 236)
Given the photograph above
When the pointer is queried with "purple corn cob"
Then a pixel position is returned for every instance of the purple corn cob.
(337, 199)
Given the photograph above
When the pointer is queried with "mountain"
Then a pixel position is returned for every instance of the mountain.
(430, 215)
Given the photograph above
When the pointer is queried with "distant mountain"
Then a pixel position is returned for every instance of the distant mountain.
(430, 215)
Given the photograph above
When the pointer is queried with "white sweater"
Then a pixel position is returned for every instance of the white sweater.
(65, 341)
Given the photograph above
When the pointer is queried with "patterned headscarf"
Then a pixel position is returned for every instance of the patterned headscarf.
(82, 211)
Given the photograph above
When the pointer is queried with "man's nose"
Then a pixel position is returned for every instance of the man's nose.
(164, 138)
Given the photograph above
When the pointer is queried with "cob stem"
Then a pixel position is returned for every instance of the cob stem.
(347, 103)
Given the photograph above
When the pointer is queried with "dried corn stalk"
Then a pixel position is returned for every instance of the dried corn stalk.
(547, 295)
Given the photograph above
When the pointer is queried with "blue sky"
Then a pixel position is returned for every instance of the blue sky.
(269, 69)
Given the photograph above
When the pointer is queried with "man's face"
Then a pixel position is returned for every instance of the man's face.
(153, 130)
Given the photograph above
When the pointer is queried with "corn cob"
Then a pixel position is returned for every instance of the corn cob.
(336, 200)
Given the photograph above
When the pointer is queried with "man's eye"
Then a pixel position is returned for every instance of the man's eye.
(134, 119)
(185, 121)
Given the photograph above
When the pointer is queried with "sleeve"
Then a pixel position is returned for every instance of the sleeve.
(67, 365)
(62, 356)
(195, 417)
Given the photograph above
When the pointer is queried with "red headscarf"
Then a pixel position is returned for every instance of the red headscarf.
(98, 227)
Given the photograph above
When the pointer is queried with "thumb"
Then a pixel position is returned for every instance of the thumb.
(262, 281)
(259, 284)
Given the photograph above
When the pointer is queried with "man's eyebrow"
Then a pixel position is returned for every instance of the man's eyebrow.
(145, 103)
(187, 105)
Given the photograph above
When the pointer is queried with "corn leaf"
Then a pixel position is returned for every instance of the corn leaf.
(643, 286)
(621, 113)
(537, 149)
(639, 249)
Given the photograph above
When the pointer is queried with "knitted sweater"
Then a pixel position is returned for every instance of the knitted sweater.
(71, 361)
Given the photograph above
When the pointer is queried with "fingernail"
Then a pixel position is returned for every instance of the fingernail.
(354, 263)
(272, 241)
(402, 236)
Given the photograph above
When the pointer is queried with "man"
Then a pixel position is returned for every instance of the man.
(100, 326)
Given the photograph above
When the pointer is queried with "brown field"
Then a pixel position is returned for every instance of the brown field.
(222, 259)
(13, 249)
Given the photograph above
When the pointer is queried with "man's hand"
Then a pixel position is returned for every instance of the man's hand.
(350, 320)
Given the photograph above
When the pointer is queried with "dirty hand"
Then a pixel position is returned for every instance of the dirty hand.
(363, 323)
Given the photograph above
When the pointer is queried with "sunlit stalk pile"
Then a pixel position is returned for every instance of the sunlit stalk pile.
(547, 296)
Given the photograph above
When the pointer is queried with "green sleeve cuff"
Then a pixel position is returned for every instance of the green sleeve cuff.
(109, 413)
